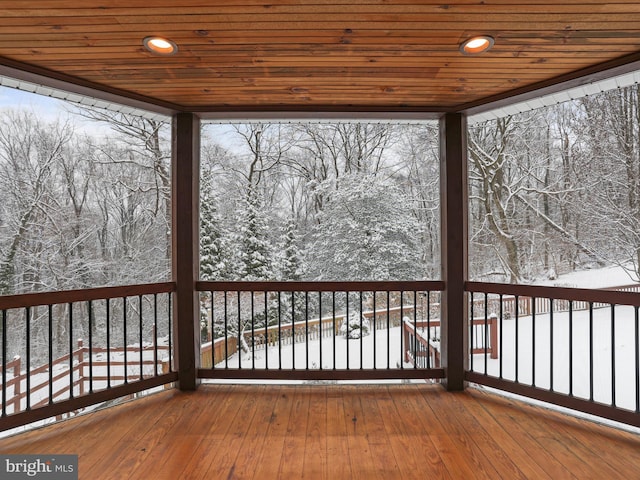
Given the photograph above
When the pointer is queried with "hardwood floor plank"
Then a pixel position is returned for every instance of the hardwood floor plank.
(560, 446)
(483, 437)
(128, 432)
(385, 462)
(233, 438)
(202, 438)
(360, 455)
(315, 451)
(410, 440)
(254, 441)
(269, 457)
(338, 452)
(508, 442)
(601, 449)
(292, 459)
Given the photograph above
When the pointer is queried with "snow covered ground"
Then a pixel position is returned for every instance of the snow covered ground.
(535, 351)
(352, 354)
(597, 278)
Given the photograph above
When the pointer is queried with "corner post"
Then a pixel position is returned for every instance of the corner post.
(454, 224)
(185, 169)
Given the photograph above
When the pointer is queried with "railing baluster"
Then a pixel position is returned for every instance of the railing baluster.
(226, 331)
(306, 328)
(486, 332)
(637, 359)
(361, 334)
(170, 329)
(613, 355)
(333, 315)
(374, 325)
(389, 333)
(501, 352)
(428, 313)
(213, 329)
(533, 341)
(571, 348)
(5, 361)
(266, 332)
(551, 348)
(28, 354)
(124, 338)
(90, 326)
(517, 311)
(240, 332)
(50, 334)
(253, 333)
(279, 331)
(402, 346)
(415, 329)
(293, 330)
(321, 329)
(108, 340)
(471, 329)
(70, 349)
(140, 337)
(155, 334)
(591, 351)
(348, 321)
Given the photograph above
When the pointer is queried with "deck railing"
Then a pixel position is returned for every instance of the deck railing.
(576, 348)
(46, 373)
(313, 330)
(422, 339)
(572, 347)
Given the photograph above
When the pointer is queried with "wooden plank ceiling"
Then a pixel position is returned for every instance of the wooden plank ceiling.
(316, 55)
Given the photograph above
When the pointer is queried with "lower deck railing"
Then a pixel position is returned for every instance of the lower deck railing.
(313, 330)
(575, 348)
(47, 371)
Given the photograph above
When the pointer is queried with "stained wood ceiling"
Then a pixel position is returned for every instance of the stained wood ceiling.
(317, 55)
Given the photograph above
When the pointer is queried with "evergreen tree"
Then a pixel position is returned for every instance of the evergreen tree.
(290, 268)
(214, 264)
(255, 249)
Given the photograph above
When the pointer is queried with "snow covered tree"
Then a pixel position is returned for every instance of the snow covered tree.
(615, 204)
(214, 263)
(255, 249)
(367, 231)
(290, 267)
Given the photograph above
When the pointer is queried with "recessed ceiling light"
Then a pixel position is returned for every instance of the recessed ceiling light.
(476, 45)
(159, 45)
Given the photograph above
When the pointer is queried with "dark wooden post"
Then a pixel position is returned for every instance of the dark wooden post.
(454, 197)
(185, 167)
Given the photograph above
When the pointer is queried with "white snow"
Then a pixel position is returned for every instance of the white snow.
(597, 278)
(320, 353)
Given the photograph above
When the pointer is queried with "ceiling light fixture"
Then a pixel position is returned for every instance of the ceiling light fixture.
(160, 46)
(476, 45)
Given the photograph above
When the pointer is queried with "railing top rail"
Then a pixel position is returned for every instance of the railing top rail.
(68, 296)
(275, 286)
(560, 293)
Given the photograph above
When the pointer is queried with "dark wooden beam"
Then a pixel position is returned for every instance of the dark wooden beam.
(454, 195)
(185, 167)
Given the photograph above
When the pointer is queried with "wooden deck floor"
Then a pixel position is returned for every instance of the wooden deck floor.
(334, 432)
